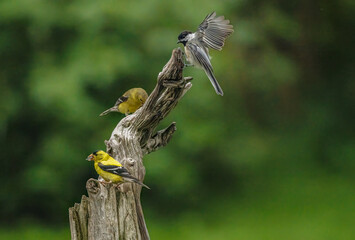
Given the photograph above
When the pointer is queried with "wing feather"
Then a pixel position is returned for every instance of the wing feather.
(121, 171)
(118, 170)
(214, 31)
(120, 100)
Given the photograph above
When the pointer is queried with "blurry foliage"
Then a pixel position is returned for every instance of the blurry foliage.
(288, 109)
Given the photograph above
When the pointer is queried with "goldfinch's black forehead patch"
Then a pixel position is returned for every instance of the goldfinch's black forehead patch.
(95, 153)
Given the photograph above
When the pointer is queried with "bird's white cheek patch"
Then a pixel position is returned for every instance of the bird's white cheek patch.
(190, 36)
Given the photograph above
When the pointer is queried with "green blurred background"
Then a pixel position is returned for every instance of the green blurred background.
(272, 159)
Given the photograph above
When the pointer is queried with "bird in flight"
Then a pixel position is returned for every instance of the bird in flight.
(211, 33)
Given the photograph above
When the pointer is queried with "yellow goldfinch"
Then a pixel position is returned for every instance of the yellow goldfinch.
(129, 102)
(110, 169)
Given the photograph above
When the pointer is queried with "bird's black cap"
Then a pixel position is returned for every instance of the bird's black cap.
(182, 35)
(95, 153)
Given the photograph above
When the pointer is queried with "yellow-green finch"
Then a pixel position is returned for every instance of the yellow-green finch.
(110, 169)
(129, 102)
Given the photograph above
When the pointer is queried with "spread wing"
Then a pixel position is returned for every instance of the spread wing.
(202, 59)
(118, 170)
(214, 30)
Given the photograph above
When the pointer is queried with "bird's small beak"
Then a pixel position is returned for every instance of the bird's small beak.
(90, 157)
(178, 42)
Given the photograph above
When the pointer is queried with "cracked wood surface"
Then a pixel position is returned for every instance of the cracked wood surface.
(111, 212)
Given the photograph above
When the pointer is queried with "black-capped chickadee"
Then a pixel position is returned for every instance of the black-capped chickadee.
(211, 33)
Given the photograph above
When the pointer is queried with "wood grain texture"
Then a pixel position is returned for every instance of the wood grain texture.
(111, 212)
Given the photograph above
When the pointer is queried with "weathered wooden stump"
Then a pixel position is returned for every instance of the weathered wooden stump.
(116, 213)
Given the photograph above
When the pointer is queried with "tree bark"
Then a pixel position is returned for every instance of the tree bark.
(111, 212)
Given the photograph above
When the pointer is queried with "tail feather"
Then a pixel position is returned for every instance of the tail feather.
(113, 109)
(214, 82)
(135, 180)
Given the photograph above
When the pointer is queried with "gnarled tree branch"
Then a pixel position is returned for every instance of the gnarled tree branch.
(160, 139)
(116, 213)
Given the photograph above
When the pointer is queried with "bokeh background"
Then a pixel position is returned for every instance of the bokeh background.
(272, 159)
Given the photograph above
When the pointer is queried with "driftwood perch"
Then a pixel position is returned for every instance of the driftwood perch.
(116, 213)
